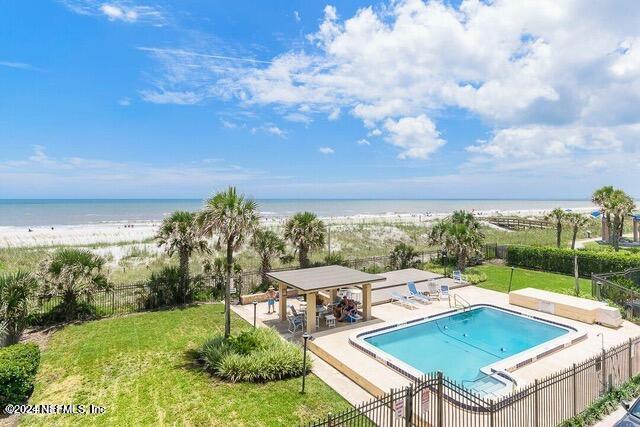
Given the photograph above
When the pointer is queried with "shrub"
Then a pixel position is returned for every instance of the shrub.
(18, 367)
(164, 288)
(255, 355)
(403, 256)
(15, 292)
(560, 260)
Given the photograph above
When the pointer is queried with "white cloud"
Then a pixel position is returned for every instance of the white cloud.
(533, 71)
(16, 65)
(275, 130)
(296, 16)
(298, 118)
(125, 102)
(416, 136)
(326, 150)
(125, 11)
(363, 142)
(170, 97)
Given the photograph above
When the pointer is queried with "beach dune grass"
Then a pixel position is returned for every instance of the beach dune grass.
(142, 368)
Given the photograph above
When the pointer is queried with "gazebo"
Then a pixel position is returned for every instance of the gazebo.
(310, 281)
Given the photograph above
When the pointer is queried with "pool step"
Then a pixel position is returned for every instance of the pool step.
(486, 385)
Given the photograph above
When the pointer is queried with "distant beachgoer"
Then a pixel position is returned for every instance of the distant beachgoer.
(30, 230)
(271, 299)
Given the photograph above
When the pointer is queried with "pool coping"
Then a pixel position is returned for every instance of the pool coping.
(502, 368)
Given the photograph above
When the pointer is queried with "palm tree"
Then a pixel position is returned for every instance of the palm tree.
(72, 273)
(620, 205)
(15, 292)
(306, 232)
(403, 256)
(459, 236)
(179, 234)
(557, 216)
(576, 221)
(601, 199)
(267, 245)
(614, 205)
(232, 218)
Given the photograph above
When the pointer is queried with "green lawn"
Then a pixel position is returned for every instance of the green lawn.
(141, 368)
(498, 280)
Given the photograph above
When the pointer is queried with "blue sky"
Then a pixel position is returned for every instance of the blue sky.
(404, 99)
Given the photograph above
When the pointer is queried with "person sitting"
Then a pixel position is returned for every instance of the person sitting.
(271, 299)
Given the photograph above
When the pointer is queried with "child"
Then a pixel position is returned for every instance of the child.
(271, 299)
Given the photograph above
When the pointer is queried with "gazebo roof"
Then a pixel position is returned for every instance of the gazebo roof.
(319, 278)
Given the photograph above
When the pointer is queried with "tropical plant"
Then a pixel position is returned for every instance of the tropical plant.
(213, 271)
(165, 288)
(335, 258)
(255, 355)
(403, 256)
(459, 237)
(267, 245)
(178, 234)
(18, 367)
(557, 216)
(306, 232)
(70, 274)
(16, 289)
(232, 218)
(614, 205)
(576, 222)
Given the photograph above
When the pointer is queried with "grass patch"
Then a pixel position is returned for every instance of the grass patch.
(498, 280)
(143, 368)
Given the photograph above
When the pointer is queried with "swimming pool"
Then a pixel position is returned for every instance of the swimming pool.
(462, 345)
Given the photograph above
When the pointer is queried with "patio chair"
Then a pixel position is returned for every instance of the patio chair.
(352, 318)
(417, 295)
(433, 289)
(458, 277)
(402, 300)
(444, 291)
(295, 323)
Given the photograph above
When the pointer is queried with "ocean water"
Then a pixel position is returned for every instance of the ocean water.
(94, 211)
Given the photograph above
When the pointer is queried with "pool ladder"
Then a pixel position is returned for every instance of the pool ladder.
(456, 301)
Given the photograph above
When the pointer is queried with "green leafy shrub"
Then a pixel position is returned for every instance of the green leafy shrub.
(255, 355)
(560, 260)
(165, 288)
(18, 367)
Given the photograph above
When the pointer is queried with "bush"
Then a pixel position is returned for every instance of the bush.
(560, 260)
(18, 367)
(164, 288)
(255, 355)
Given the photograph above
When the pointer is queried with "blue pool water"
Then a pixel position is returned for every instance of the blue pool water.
(462, 343)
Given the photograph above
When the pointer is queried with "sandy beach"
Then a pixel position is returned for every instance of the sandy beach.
(118, 233)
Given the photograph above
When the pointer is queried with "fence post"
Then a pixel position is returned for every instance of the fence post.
(536, 405)
(630, 362)
(408, 409)
(604, 372)
(492, 413)
(575, 397)
(329, 420)
(440, 421)
(391, 408)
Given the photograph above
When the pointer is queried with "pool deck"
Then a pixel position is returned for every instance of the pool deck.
(333, 345)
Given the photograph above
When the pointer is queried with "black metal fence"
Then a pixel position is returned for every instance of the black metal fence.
(437, 401)
(141, 296)
(622, 288)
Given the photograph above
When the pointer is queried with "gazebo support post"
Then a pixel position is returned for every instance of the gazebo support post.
(636, 230)
(311, 312)
(334, 295)
(282, 288)
(366, 301)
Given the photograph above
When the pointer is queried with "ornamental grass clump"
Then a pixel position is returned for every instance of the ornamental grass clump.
(256, 355)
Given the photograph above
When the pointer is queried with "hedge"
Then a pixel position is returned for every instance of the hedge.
(560, 260)
(18, 367)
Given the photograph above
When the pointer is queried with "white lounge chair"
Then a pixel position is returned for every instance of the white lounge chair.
(417, 295)
(402, 300)
(444, 291)
(433, 290)
(458, 277)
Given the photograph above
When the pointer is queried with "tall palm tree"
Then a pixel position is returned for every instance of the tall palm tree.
(232, 218)
(267, 245)
(601, 199)
(306, 232)
(576, 221)
(179, 235)
(16, 290)
(557, 216)
(459, 236)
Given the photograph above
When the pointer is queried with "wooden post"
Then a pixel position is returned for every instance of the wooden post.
(636, 230)
(334, 295)
(311, 312)
(366, 301)
(282, 288)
